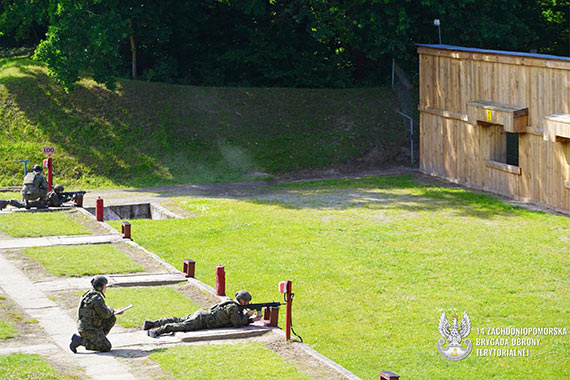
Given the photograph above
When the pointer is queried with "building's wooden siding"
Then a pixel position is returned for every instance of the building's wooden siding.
(453, 148)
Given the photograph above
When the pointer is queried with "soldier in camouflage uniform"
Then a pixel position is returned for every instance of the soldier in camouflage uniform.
(35, 187)
(224, 314)
(95, 319)
(56, 197)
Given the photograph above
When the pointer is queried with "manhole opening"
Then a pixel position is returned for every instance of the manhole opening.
(135, 211)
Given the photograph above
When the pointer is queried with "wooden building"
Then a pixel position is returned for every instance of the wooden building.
(497, 121)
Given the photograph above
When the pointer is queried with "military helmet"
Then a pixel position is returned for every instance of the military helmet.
(98, 282)
(58, 188)
(37, 168)
(244, 295)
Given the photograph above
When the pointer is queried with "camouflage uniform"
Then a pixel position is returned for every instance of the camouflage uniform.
(35, 187)
(55, 199)
(225, 314)
(95, 322)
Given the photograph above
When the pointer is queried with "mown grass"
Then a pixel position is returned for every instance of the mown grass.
(83, 260)
(147, 134)
(374, 262)
(149, 303)
(26, 366)
(228, 361)
(36, 224)
(7, 330)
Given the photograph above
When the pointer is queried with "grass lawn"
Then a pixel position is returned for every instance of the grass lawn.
(26, 366)
(228, 361)
(35, 224)
(82, 260)
(146, 134)
(374, 262)
(149, 303)
(7, 330)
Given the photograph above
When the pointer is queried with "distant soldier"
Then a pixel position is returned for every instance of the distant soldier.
(35, 188)
(224, 314)
(95, 319)
(57, 197)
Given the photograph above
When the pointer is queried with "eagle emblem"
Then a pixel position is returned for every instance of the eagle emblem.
(454, 334)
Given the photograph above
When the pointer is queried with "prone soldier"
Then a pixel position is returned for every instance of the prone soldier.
(55, 198)
(229, 313)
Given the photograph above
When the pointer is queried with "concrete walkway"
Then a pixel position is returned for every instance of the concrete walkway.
(56, 323)
(116, 281)
(58, 240)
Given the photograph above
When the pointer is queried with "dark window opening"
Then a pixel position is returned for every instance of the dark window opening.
(512, 149)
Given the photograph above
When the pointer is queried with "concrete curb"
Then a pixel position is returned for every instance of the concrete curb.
(115, 281)
(28, 349)
(49, 241)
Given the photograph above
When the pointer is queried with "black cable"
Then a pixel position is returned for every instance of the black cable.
(293, 331)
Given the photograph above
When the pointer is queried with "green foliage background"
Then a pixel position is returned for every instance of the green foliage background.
(287, 43)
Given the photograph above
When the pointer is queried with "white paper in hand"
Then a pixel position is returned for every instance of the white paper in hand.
(122, 309)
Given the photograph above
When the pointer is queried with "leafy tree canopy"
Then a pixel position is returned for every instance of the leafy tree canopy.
(299, 43)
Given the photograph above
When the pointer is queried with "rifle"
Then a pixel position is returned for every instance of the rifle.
(76, 196)
(260, 306)
(74, 193)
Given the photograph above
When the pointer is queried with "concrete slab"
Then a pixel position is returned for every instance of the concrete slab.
(140, 339)
(28, 349)
(144, 279)
(58, 240)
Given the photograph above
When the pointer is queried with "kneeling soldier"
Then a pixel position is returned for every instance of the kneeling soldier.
(224, 314)
(95, 319)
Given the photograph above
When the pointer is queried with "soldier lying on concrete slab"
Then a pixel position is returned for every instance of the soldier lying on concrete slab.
(224, 314)
(55, 198)
(95, 319)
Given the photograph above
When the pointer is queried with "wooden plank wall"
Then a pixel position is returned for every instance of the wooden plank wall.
(452, 148)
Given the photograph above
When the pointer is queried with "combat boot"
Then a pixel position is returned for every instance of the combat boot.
(3, 203)
(75, 342)
(153, 333)
(147, 325)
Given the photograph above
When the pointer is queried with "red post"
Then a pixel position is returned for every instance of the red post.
(126, 230)
(389, 375)
(220, 281)
(50, 173)
(288, 312)
(78, 200)
(189, 267)
(99, 209)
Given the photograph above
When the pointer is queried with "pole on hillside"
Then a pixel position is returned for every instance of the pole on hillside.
(411, 134)
(50, 173)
